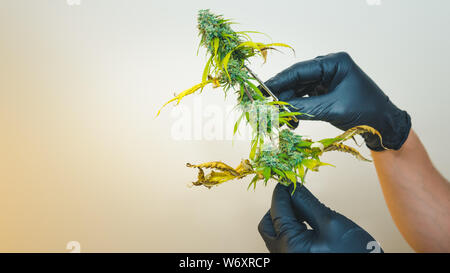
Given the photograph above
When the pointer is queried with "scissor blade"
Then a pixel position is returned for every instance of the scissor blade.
(275, 98)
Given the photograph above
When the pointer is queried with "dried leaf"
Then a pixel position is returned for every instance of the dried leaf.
(215, 165)
(359, 130)
(346, 149)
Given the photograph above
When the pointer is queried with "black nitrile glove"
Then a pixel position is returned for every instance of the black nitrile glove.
(343, 95)
(283, 228)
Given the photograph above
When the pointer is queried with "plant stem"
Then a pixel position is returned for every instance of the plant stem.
(248, 93)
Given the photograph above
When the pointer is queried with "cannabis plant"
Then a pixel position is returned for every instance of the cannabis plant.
(276, 152)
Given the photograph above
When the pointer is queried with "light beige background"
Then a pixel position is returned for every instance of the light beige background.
(82, 157)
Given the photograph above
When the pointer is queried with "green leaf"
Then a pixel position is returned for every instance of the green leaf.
(206, 69)
(236, 125)
(328, 141)
(301, 172)
(241, 87)
(227, 57)
(303, 144)
(216, 45)
(291, 176)
(282, 121)
(280, 173)
(216, 52)
(314, 164)
(295, 186)
(254, 180)
(225, 61)
(278, 102)
(267, 173)
(256, 89)
(253, 149)
(289, 114)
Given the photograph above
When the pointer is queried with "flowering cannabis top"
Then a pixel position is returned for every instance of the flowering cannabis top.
(218, 37)
(274, 154)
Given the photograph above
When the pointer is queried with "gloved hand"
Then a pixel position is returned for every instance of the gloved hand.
(283, 228)
(343, 95)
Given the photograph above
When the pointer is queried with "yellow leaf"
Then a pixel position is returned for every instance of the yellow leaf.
(206, 70)
(185, 93)
(251, 31)
(279, 44)
(219, 177)
(314, 164)
(225, 61)
(215, 82)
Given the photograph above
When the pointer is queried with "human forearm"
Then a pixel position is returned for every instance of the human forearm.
(418, 197)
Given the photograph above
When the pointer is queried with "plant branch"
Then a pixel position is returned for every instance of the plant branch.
(248, 93)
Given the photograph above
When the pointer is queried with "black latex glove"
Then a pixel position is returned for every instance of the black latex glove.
(343, 95)
(283, 228)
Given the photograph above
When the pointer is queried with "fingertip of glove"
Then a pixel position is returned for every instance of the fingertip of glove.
(296, 191)
(265, 226)
(301, 195)
(281, 189)
(406, 130)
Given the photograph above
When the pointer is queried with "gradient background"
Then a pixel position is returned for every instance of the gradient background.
(82, 157)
